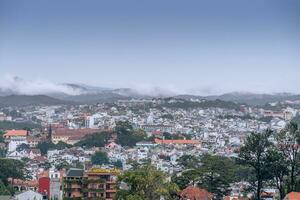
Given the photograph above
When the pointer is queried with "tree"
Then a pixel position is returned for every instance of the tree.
(23, 147)
(146, 183)
(3, 189)
(254, 153)
(94, 140)
(289, 144)
(216, 174)
(278, 168)
(189, 161)
(44, 147)
(10, 168)
(2, 152)
(126, 136)
(188, 177)
(61, 145)
(1, 136)
(118, 164)
(100, 158)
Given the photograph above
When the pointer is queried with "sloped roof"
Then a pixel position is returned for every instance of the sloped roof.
(293, 196)
(194, 193)
(73, 172)
(158, 141)
(15, 133)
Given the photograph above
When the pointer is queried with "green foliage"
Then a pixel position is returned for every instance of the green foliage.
(100, 158)
(8, 125)
(182, 181)
(146, 183)
(1, 136)
(94, 140)
(10, 168)
(3, 152)
(189, 161)
(4, 189)
(61, 145)
(23, 147)
(46, 145)
(178, 136)
(216, 174)
(127, 136)
(289, 146)
(255, 153)
(118, 164)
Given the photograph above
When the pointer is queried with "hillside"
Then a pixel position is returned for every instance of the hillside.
(27, 100)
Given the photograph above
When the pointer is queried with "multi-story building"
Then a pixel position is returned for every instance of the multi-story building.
(94, 184)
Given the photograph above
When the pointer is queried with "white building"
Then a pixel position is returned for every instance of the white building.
(29, 195)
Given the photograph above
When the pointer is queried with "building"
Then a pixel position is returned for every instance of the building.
(44, 186)
(160, 127)
(55, 184)
(71, 136)
(95, 183)
(15, 138)
(29, 195)
(33, 141)
(194, 193)
(177, 142)
(15, 134)
(292, 196)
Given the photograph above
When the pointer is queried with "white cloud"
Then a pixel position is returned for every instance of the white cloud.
(17, 85)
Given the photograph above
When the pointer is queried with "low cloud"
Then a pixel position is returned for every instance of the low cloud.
(17, 85)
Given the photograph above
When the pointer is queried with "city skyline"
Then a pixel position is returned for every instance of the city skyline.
(201, 47)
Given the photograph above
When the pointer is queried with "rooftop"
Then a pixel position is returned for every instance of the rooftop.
(15, 133)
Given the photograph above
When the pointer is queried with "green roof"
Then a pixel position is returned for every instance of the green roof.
(73, 172)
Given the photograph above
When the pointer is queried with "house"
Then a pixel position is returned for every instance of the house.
(292, 196)
(24, 185)
(177, 142)
(33, 141)
(71, 136)
(235, 198)
(15, 133)
(194, 193)
(33, 153)
(29, 195)
(15, 138)
(94, 184)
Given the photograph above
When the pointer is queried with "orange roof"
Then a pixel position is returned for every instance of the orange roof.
(194, 193)
(158, 141)
(293, 196)
(15, 133)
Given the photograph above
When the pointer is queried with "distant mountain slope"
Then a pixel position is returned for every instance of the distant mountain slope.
(103, 97)
(247, 98)
(26, 100)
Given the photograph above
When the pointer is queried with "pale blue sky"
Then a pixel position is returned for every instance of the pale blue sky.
(199, 46)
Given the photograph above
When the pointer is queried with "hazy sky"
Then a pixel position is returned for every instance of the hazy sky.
(193, 46)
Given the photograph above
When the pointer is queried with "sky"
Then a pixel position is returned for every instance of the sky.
(185, 46)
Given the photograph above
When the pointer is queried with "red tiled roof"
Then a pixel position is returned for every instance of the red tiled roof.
(158, 141)
(194, 193)
(15, 133)
(293, 196)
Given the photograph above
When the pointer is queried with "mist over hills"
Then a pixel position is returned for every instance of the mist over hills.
(16, 91)
(113, 95)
